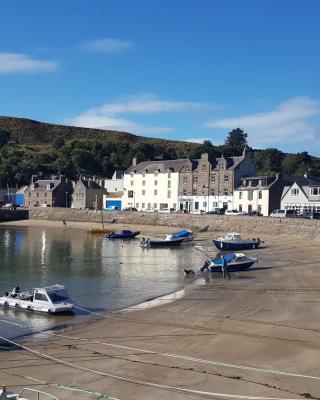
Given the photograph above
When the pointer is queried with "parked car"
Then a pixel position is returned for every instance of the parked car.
(166, 210)
(233, 212)
(282, 213)
(9, 206)
(253, 214)
(197, 212)
(217, 211)
(150, 210)
(130, 209)
(182, 211)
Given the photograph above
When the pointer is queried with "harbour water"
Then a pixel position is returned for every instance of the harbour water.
(100, 274)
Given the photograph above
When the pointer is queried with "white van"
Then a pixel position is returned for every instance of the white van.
(282, 213)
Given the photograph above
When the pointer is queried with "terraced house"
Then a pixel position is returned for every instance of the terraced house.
(209, 183)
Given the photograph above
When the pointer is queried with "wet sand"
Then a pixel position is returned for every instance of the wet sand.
(266, 318)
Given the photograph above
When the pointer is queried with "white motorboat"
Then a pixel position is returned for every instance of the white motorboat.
(51, 299)
(31, 393)
(184, 234)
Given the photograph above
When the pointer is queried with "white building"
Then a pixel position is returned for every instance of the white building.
(115, 184)
(302, 195)
(153, 185)
(259, 193)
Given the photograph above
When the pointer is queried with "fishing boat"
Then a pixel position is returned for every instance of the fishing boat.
(234, 242)
(184, 234)
(51, 299)
(161, 242)
(122, 235)
(235, 261)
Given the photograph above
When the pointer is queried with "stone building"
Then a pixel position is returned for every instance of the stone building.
(259, 193)
(87, 194)
(209, 183)
(55, 192)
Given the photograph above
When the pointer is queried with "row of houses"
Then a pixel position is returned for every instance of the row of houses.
(203, 184)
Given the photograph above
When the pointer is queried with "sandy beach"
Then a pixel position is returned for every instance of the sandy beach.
(255, 335)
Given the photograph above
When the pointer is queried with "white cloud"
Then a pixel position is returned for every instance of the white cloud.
(291, 121)
(110, 115)
(197, 140)
(11, 63)
(108, 45)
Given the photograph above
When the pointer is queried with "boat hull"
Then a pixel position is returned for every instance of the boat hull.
(131, 235)
(165, 243)
(25, 305)
(234, 267)
(234, 246)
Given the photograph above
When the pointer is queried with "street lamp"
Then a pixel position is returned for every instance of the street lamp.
(66, 199)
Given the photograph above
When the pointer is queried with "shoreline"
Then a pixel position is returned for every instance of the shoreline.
(266, 318)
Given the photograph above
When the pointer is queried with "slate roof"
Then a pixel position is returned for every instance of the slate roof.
(90, 184)
(161, 166)
(267, 182)
(41, 185)
(305, 184)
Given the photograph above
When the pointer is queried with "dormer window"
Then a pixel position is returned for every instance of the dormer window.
(315, 191)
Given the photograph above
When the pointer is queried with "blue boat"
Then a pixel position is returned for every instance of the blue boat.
(236, 262)
(183, 234)
(234, 242)
(122, 235)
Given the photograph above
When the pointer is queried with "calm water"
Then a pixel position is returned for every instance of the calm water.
(99, 274)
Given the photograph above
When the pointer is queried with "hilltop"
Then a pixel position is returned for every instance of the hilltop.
(30, 147)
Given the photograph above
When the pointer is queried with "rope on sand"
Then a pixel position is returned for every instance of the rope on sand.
(143, 383)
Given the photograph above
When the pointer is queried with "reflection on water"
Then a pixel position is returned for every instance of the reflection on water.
(99, 274)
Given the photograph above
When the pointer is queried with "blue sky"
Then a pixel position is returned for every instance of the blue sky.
(185, 70)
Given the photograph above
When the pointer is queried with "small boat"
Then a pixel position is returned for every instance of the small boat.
(51, 299)
(236, 262)
(98, 231)
(185, 234)
(122, 235)
(31, 393)
(161, 242)
(233, 242)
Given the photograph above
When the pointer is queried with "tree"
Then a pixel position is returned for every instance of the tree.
(237, 139)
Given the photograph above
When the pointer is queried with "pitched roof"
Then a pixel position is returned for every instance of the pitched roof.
(161, 166)
(41, 185)
(90, 184)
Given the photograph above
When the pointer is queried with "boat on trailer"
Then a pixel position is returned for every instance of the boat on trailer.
(51, 299)
(235, 261)
(234, 242)
(125, 234)
(184, 234)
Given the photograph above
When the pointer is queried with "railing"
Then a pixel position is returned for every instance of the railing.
(38, 394)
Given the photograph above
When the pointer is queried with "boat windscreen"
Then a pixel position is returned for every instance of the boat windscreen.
(181, 233)
(228, 257)
(60, 295)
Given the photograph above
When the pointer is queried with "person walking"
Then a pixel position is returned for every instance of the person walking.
(225, 268)
(64, 222)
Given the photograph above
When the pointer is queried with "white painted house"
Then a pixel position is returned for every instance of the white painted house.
(259, 193)
(115, 184)
(302, 195)
(153, 185)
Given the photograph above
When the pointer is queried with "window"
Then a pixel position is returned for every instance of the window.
(115, 189)
(185, 180)
(250, 195)
(149, 206)
(226, 178)
(143, 205)
(194, 191)
(143, 183)
(143, 192)
(137, 205)
(212, 192)
(249, 207)
(213, 178)
(184, 192)
(130, 194)
(155, 192)
(294, 192)
(240, 207)
(40, 296)
(131, 183)
(260, 195)
(315, 191)
(195, 178)
(169, 184)
(214, 204)
(226, 192)
(196, 205)
(155, 183)
(169, 194)
(204, 168)
(155, 206)
(240, 195)
(204, 204)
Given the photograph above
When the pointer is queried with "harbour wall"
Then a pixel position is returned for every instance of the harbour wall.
(303, 228)
(13, 215)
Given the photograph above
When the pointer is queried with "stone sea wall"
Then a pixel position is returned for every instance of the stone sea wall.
(13, 215)
(303, 228)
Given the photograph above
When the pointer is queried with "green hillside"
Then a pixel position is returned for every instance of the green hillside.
(30, 147)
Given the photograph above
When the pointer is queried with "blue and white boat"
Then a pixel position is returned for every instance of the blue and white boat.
(236, 262)
(234, 242)
(122, 235)
(184, 234)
